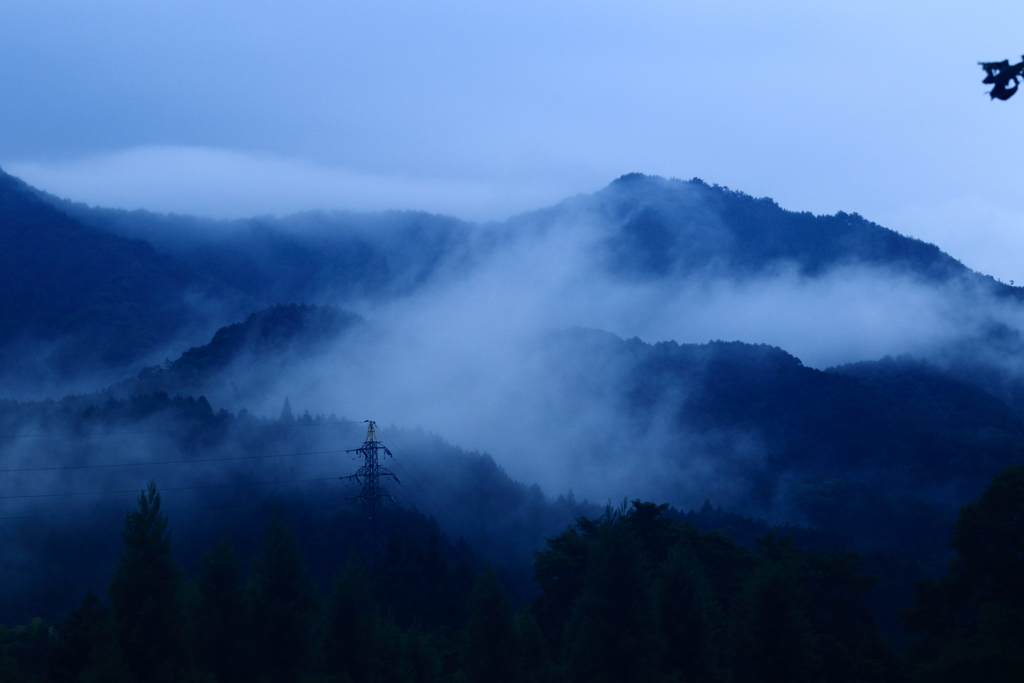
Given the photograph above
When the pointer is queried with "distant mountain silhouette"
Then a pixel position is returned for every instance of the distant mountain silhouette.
(652, 227)
(658, 228)
(263, 342)
(314, 257)
(96, 296)
(903, 426)
(876, 455)
(82, 278)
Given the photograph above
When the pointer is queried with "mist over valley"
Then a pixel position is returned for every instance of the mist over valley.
(535, 342)
(660, 340)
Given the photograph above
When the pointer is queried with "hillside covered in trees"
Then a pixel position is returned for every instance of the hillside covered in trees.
(630, 595)
(526, 374)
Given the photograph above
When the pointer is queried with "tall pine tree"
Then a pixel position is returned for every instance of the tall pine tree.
(491, 653)
(352, 641)
(221, 615)
(612, 635)
(282, 606)
(144, 595)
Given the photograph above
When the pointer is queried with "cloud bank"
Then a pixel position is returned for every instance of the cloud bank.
(224, 183)
(476, 359)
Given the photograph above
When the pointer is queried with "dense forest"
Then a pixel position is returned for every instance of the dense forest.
(838, 449)
(108, 288)
(855, 519)
(630, 595)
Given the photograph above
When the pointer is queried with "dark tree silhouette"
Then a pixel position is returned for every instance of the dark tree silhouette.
(491, 653)
(999, 75)
(283, 601)
(85, 646)
(612, 634)
(144, 594)
(691, 621)
(221, 616)
(972, 619)
(352, 641)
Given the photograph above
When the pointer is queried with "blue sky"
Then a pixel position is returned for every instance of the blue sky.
(484, 109)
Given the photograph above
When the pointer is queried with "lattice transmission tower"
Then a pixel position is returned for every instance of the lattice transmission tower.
(373, 495)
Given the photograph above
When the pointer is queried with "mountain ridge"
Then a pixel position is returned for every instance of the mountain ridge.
(759, 232)
(60, 278)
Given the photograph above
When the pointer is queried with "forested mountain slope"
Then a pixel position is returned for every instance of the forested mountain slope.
(489, 323)
(671, 225)
(313, 257)
(875, 456)
(245, 356)
(652, 227)
(87, 295)
(74, 277)
(903, 426)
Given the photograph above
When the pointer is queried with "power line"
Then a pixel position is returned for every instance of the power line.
(411, 478)
(176, 431)
(405, 470)
(406, 473)
(94, 513)
(165, 462)
(164, 488)
(411, 464)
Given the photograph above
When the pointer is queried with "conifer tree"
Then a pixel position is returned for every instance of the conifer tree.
(491, 652)
(282, 606)
(85, 646)
(144, 595)
(420, 660)
(778, 641)
(221, 616)
(972, 619)
(612, 634)
(690, 620)
(352, 640)
(533, 651)
(442, 601)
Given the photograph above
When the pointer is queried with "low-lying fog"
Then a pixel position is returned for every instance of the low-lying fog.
(473, 355)
(471, 358)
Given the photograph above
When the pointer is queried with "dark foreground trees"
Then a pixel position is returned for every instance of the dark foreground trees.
(491, 647)
(145, 596)
(630, 596)
(636, 597)
(219, 615)
(972, 619)
(282, 602)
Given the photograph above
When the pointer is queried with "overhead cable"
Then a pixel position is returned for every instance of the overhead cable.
(165, 488)
(175, 431)
(164, 462)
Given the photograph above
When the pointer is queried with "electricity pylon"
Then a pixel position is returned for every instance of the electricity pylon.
(373, 495)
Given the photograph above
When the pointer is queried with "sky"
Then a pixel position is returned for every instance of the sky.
(485, 109)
